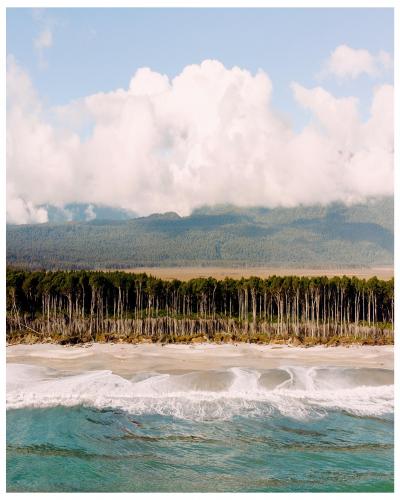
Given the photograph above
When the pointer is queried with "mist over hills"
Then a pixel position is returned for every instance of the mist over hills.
(334, 235)
(83, 212)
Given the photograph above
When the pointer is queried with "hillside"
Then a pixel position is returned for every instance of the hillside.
(335, 235)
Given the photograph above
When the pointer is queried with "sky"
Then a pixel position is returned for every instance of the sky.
(152, 110)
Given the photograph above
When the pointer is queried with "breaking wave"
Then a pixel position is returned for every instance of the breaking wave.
(292, 391)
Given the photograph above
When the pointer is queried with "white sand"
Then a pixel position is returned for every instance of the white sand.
(125, 359)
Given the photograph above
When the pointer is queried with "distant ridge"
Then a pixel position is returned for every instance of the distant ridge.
(332, 235)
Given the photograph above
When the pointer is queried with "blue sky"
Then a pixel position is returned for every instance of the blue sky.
(270, 107)
(99, 49)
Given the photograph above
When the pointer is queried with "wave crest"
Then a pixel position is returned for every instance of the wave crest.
(292, 391)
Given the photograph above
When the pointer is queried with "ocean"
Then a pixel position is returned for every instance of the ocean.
(238, 429)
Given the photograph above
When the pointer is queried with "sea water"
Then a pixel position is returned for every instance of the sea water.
(286, 429)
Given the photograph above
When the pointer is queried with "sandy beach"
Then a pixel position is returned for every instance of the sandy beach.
(125, 359)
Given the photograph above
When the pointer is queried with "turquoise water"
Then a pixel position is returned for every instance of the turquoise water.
(234, 430)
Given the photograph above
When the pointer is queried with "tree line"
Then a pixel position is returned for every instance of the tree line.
(80, 306)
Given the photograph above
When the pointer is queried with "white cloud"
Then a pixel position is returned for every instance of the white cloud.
(207, 136)
(44, 40)
(20, 211)
(90, 213)
(346, 62)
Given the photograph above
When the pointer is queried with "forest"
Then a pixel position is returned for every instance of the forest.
(325, 236)
(70, 307)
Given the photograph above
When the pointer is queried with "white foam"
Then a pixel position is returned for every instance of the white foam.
(297, 392)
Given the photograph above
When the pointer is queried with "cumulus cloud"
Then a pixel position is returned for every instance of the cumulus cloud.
(346, 62)
(207, 136)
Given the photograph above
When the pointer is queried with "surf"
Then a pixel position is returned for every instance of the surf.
(293, 391)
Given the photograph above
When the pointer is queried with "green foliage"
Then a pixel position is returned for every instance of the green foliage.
(125, 295)
(334, 235)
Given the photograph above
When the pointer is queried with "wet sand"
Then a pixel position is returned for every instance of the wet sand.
(125, 359)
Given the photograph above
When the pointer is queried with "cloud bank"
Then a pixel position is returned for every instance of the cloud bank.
(207, 136)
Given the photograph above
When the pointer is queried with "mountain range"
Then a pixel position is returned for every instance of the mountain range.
(334, 235)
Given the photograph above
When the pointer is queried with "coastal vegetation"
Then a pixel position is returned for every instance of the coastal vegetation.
(86, 306)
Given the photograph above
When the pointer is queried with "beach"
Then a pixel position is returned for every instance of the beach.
(234, 417)
(125, 359)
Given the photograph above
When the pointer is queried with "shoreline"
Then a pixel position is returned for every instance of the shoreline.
(338, 343)
(127, 359)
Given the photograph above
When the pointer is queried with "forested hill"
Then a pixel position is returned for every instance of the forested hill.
(335, 235)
